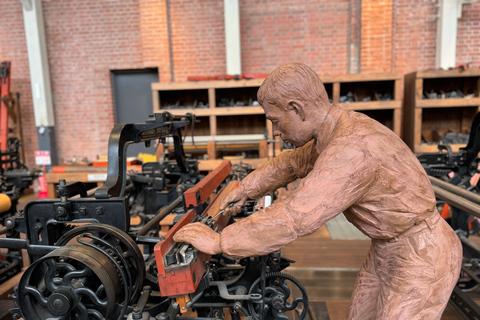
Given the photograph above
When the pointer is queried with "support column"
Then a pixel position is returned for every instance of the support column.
(232, 37)
(449, 11)
(40, 76)
(446, 48)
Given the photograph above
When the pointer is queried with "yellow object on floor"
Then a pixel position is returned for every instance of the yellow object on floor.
(5, 203)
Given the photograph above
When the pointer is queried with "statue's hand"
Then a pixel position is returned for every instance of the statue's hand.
(237, 198)
(201, 237)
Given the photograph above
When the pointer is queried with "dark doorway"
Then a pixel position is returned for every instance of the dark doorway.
(133, 100)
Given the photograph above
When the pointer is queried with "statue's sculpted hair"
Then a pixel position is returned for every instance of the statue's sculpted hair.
(292, 81)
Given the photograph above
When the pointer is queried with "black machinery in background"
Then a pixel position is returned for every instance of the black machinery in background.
(455, 180)
(88, 262)
(15, 177)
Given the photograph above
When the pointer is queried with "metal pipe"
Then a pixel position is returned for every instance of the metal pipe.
(159, 217)
(15, 243)
(471, 274)
(457, 201)
(469, 243)
(473, 197)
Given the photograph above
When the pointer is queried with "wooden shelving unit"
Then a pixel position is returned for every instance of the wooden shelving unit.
(219, 120)
(429, 111)
(212, 99)
(370, 86)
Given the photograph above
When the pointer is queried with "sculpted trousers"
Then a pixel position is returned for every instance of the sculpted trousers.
(410, 278)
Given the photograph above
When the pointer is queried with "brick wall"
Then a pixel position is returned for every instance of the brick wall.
(414, 33)
(86, 39)
(13, 48)
(154, 35)
(198, 38)
(468, 35)
(376, 36)
(274, 32)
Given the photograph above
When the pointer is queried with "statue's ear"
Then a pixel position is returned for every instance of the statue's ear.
(298, 107)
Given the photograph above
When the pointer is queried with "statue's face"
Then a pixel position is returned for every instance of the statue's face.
(288, 124)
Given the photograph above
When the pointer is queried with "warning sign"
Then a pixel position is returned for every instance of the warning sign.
(43, 158)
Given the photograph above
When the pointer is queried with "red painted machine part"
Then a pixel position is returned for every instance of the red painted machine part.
(185, 280)
(201, 191)
(4, 93)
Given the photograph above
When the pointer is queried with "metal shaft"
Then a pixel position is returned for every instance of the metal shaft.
(159, 217)
(457, 201)
(473, 197)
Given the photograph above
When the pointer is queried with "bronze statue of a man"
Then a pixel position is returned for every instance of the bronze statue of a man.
(351, 164)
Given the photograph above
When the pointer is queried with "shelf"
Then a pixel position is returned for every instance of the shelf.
(361, 77)
(430, 117)
(219, 111)
(372, 105)
(163, 86)
(221, 117)
(433, 148)
(446, 103)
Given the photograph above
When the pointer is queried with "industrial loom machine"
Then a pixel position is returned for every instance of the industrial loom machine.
(89, 261)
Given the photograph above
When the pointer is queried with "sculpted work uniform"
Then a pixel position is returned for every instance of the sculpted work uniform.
(366, 171)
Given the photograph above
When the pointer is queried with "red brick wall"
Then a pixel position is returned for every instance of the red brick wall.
(14, 48)
(414, 33)
(376, 36)
(86, 39)
(274, 32)
(468, 35)
(198, 38)
(154, 35)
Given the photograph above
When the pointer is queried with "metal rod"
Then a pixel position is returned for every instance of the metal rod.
(473, 197)
(471, 274)
(470, 244)
(14, 243)
(159, 217)
(457, 201)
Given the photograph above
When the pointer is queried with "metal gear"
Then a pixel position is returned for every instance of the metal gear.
(127, 248)
(71, 282)
(277, 293)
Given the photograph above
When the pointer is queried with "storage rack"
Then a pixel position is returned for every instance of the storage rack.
(429, 111)
(373, 86)
(242, 122)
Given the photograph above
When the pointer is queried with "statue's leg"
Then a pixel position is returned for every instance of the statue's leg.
(365, 293)
(417, 273)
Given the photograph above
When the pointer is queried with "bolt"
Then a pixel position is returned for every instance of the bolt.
(99, 210)
(183, 308)
(61, 212)
(82, 210)
(277, 303)
(9, 223)
(58, 304)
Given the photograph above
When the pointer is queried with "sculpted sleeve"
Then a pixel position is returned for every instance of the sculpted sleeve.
(342, 175)
(280, 171)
